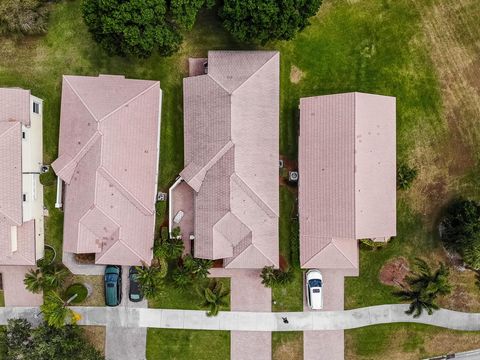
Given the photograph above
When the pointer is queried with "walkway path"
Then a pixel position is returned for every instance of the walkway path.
(258, 321)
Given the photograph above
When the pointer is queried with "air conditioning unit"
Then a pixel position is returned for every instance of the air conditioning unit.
(293, 176)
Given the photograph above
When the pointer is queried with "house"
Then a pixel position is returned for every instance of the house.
(21, 193)
(108, 161)
(231, 132)
(347, 185)
(347, 192)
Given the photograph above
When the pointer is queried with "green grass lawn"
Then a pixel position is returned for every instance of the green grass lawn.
(187, 344)
(2, 299)
(412, 341)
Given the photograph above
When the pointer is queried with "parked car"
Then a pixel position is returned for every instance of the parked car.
(113, 285)
(314, 286)
(134, 292)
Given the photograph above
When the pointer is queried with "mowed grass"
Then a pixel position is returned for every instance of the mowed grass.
(187, 344)
(406, 342)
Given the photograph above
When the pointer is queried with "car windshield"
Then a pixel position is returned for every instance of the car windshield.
(111, 277)
(315, 283)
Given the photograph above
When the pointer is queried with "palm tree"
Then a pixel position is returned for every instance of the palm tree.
(55, 311)
(34, 281)
(168, 249)
(47, 277)
(268, 276)
(150, 280)
(199, 268)
(424, 286)
(182, 277)
(214, 295)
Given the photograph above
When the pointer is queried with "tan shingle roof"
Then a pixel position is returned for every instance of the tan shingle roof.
(347, 167)
(231, 157)
(108, 157)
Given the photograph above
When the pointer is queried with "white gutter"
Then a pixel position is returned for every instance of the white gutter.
(170, 203)
(58, 202)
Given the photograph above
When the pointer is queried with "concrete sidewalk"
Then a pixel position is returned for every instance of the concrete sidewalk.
(258, 321)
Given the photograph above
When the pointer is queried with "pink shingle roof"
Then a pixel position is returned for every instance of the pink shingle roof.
(108, 158)
(231, 157)
(347, 190)
(14, 111)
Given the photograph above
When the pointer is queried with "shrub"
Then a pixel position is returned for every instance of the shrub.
(48, 178)
(372, 245)
(272, 277)
(264, 20)
(76, 289)
(405, 176)
(27, 17)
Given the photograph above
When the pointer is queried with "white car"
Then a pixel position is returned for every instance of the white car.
(314, 287)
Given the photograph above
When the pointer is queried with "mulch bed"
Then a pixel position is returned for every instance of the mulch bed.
(394, 272)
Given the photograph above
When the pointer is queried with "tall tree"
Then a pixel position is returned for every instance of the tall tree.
(55, 311)
(264, 20)
(198, 268)
(150, 280)
(46, 343)
(140, 27)
(424, 286)
(46, 277)
(460, 231)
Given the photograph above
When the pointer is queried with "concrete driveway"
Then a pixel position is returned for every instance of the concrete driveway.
(14, 290)
(126, 343)
(327, 344)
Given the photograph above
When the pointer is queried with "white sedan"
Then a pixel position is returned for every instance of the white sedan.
(314, 286)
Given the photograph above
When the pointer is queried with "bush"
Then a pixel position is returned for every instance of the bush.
(27, 17)
(48, 178)
(264, 20)
(275, 277)
(405, 176)
(460, 231)
(76, 289)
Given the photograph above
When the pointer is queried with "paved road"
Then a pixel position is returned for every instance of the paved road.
(258, 321)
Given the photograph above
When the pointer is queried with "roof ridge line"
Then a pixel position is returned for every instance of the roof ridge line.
(80, 98)
(14, 123)
(341, 252)
(255, 72)
(240, 182)
(215, 158)
(124, 191)
(83, 151)
(129, 101)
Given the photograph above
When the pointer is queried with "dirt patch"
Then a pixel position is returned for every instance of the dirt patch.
(394, 272)
(96, 336)
(289, 350)
(465, 295)
(296, 75)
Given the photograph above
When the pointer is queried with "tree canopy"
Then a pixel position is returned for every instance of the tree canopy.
(460, 231)
(22, 341)
(264, 20)
(140, 27)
